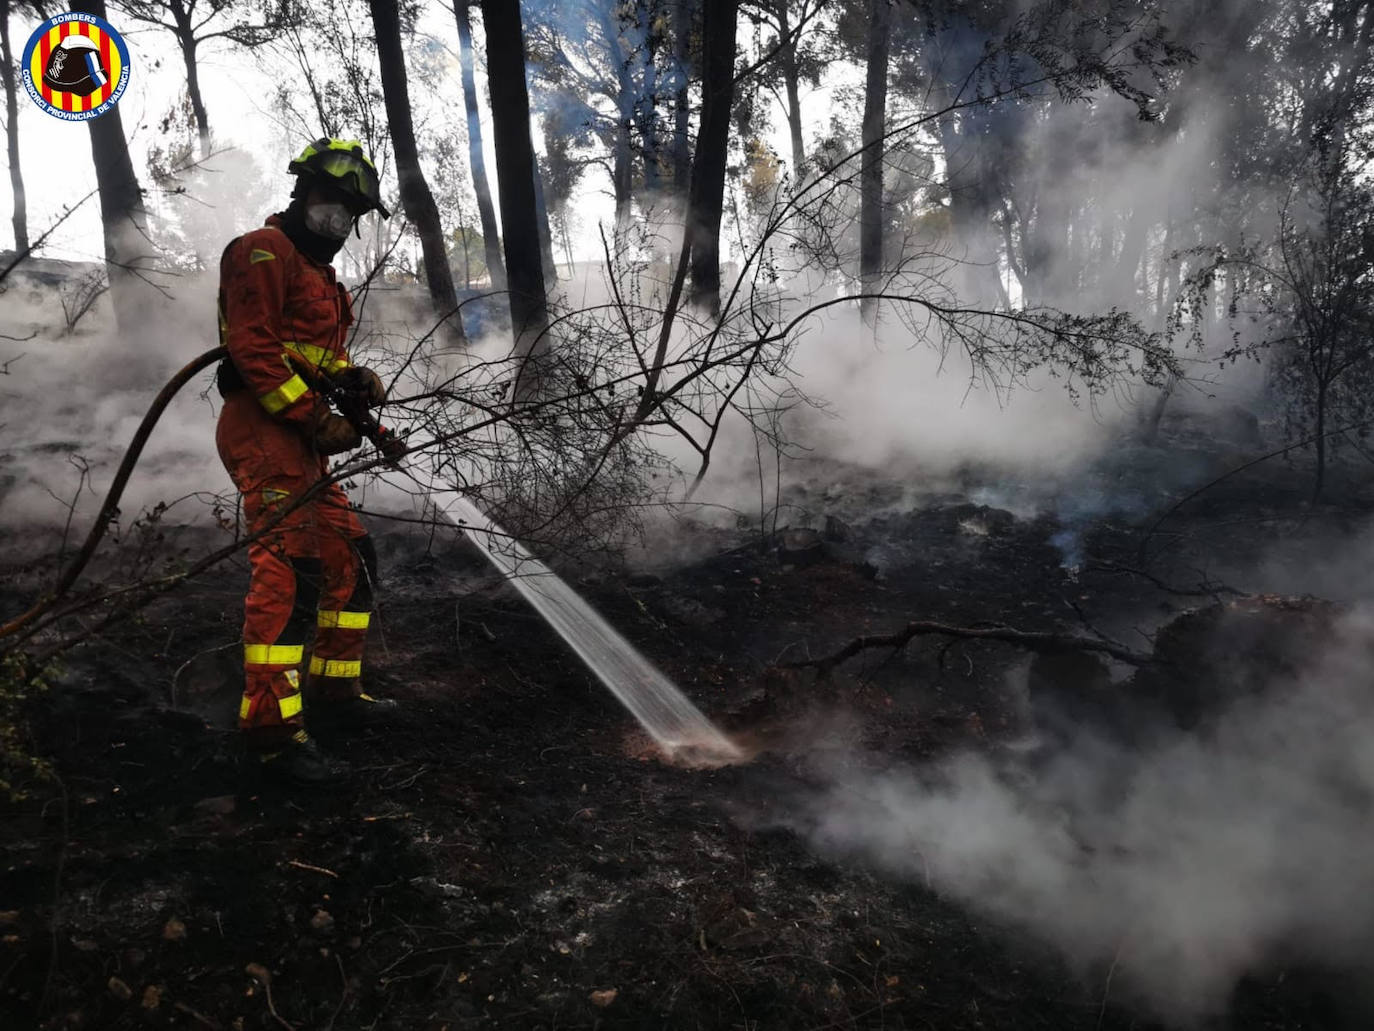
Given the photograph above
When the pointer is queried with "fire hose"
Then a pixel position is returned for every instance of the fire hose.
(668, 715)
(353, 407)
(349, 405)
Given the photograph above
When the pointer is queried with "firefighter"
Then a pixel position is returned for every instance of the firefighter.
(282, 313)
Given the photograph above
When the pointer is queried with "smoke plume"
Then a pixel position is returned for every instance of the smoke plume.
(1174, 871)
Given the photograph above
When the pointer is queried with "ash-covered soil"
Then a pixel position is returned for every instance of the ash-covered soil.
(514, 854)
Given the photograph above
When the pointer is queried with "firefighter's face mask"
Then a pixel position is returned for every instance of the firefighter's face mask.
(329, 218)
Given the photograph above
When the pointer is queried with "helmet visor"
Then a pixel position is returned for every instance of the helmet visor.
(353, 176)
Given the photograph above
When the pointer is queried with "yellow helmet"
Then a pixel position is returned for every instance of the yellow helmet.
(344, 165)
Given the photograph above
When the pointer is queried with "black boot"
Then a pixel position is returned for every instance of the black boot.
(351, 715)
(302, 762)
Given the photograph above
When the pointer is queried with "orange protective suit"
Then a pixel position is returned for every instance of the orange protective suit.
(311, 570)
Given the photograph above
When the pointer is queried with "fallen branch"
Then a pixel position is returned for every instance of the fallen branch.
(1030, 640)
(1204, 589)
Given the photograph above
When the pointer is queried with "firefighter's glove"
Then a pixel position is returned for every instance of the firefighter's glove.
(332, 434)
(362, 383)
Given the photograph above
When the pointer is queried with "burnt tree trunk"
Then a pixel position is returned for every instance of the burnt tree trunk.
(1166, 289)
(20, 218)
(645, 61)
(1045, 231)
(186, 38)
(123, 218)
(974, 196)
(1125, 291)
(467, 256)
(787, 62)
(707, 194)
(491, 236)
(625, 96)
(646, 118)
(1319, 420)
(871, 166)
(541, 210)
(515, 171)
(416, 199)
(680, 148)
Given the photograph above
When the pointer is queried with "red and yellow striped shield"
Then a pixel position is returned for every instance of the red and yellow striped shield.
(75, 66)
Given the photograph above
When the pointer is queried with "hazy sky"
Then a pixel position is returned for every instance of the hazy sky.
(55, 154)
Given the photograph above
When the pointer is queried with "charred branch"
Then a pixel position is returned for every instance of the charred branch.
(1035, 641)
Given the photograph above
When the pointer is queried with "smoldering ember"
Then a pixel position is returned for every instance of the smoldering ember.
(687, 514)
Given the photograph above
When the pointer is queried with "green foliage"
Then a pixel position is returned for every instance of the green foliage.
(20, 683)
(1304, 300)
(467, 255)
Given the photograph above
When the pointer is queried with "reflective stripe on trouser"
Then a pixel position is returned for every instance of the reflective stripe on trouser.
(303, 561)
(274, 649)
(342, 622)
(270, 710)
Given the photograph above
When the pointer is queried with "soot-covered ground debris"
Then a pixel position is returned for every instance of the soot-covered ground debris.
(515, 854)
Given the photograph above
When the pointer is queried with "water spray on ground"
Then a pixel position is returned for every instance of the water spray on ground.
(677, 725)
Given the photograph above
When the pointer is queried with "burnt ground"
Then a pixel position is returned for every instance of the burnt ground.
(513, 854)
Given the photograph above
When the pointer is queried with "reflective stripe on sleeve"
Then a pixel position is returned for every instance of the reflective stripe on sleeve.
(344, 620)
(317, 357)
(334, 667)
(284, 396)
(273, 654)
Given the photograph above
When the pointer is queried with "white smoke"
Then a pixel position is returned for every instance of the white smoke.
(75, 399)
(1178, 870)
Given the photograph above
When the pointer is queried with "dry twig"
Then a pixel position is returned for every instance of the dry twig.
(343, 998)
(1107, 988)
(264, 977)
(313, 869)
